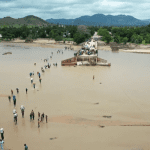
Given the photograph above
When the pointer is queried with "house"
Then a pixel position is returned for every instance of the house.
(93, 43)
(110, 33)
(0, 36)
(66, 33)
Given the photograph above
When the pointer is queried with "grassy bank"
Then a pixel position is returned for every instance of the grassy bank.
(67, 39)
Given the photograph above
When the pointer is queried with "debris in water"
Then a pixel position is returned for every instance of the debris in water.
(107, 116)
(53, 138)
(7, 53)
(96, 103)
(101, 126)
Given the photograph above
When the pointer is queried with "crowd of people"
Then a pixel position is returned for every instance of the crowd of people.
(22, 108)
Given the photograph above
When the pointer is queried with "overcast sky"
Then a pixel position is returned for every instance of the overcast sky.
(71, 9)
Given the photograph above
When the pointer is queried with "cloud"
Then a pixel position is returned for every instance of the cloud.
(71, 9)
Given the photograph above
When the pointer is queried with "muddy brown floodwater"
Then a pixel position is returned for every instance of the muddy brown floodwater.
(74, 102)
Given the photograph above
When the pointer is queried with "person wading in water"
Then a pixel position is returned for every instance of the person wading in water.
(15, 117)
(26, 90)
(39, 123)
(46, 118)
(17, 90)
(40, 80)
(14, 99)
(31, 80)
(9, 98)
(22, 110)
(43, 115)
(26, 147)
(1, 144)
(34, 85)
(32, 114)
(2, 133)
(41, 118)
(12, 92)
(38, 115)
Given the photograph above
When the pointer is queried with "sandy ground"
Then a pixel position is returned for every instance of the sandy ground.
(142, 50)
(138, 51)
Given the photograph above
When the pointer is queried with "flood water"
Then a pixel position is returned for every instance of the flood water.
(124, 94)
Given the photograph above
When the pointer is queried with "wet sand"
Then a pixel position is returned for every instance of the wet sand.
(41, 43)
(74, 102)
(142, 50)
(145, 51)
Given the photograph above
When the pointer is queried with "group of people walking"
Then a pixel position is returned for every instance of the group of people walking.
(14, 97)
(42, 118)
(22, 108)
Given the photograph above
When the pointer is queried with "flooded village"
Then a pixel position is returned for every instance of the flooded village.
(74, 75)
(83, 104)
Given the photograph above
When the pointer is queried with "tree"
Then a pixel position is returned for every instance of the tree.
(102, 32)
(125, 40)
(50, 34)
(147, 38)
(136, 39)
(140, 39)
(133, 38)
(117, 39)
(24, 35)
(24, 31)
(79, 38)
(107, 38)
(58, 38)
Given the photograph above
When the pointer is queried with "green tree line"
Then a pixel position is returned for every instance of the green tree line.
(136, 35)
(55, 32)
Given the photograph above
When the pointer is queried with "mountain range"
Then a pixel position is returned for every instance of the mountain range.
(101, 20)
(95, 20)
(28, 20)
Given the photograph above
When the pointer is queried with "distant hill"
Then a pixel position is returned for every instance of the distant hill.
(95, 20)
(61, 21)
(100, 19)
(146, 20)
(28, 20)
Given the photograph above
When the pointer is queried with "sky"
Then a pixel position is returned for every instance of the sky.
(71, 9)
